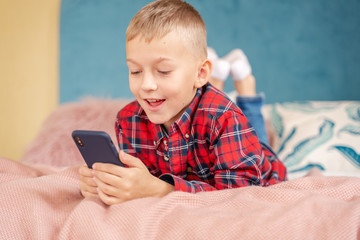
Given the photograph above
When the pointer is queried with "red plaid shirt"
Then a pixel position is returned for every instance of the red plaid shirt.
(211, 146)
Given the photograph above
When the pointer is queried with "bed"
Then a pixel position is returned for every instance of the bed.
(319, 142)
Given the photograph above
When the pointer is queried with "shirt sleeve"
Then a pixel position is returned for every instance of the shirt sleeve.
(186, 186)
(178, 183)
(237, 151)
(124, 143)
(238, 158)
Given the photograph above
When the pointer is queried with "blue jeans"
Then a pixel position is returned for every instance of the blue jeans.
(251, 107)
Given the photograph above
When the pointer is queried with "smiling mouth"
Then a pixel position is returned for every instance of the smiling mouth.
(155, 102)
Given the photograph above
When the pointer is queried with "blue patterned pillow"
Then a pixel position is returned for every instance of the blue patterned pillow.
(314, 134)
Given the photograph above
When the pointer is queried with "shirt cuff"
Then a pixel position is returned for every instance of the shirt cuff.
(168, 178)
(185, 186)
(178, 183)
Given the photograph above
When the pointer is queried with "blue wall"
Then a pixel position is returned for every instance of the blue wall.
(299, 50)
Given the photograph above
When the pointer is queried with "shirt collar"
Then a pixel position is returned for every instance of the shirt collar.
(156, 129)
(184, 122)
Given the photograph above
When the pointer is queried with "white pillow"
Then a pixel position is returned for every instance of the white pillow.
(325, 135)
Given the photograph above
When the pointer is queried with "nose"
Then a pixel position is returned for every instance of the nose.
(149, 83)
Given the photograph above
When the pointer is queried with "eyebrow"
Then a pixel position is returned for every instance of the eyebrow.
(161, 59)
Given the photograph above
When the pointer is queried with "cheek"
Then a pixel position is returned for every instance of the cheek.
(134, 86)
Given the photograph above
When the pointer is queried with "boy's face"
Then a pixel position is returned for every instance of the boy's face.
(163, 76)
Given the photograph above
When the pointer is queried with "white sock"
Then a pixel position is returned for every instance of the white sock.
(221, 68)
(211, 54)
(240, 66)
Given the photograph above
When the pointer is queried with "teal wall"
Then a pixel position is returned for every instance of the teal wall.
(299, 50)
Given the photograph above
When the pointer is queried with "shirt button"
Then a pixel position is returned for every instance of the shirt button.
(187, 135)
(154, 143)
(166, 158)
(165, 142)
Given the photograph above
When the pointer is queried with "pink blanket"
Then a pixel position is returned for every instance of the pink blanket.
(41, 203)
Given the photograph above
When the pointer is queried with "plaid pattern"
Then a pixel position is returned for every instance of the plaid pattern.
(211, 146)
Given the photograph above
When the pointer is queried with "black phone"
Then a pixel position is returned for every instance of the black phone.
(96, 146)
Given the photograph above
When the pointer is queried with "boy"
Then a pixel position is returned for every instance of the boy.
(181, 133)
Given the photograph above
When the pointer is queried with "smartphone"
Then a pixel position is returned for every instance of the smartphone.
(96, 146)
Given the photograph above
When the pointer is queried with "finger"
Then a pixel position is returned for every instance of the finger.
(88, 194)
(113, 174)
(107, 168)
(130, 160)
(85, 171)
(109, 190)
(88, 181)
(91, 192)
(86, 188)
(108, 200)
(108, 178)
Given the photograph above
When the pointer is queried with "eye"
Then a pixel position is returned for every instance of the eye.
(164, 72)
(135, 72)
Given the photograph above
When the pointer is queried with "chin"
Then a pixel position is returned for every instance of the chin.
(156, 120)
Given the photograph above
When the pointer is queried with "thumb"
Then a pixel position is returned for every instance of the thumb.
(130, 160)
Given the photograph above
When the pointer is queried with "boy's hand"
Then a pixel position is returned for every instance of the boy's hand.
(87, 184)
(119, 184)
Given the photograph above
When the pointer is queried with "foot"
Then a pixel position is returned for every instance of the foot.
(220, 71)
(241, 73)
(240, 67)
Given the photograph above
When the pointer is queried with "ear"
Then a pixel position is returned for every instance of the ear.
(204, 73)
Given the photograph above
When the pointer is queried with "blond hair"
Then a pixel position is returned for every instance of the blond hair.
(158, 18)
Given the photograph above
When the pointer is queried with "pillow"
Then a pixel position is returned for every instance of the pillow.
(314, 134)
(54, 145)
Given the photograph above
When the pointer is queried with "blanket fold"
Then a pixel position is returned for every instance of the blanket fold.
(41, 203)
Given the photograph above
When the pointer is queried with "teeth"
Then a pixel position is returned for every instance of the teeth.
(153, 100)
